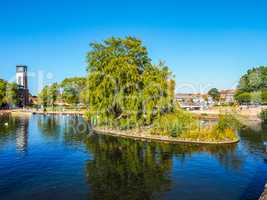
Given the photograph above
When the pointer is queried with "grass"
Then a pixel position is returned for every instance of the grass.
(182, 125)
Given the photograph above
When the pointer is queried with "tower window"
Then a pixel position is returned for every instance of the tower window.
(20, 80)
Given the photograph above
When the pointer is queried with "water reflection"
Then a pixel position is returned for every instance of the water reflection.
(22, 134)
(14, 128)
(49, 125)
(116, 168)
(127, 169)
(253, 140)
(75, 130)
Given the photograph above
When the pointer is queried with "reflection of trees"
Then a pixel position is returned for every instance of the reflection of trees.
(49, 125)
(8, 126)
(126, 169)
(75, 130)
(253, 140)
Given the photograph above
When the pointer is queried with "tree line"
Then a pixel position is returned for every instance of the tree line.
(68, 92)
(252, 87)
(9, 94)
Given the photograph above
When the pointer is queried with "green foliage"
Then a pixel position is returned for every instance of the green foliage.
(9, 93)
(254, 80)
(3, 85)
(53, 93)
(243, 97)
(72, 88)
(214, 93)
(43, 97)
(263, 115)
(125, 88)
(12, 94)
(174, 123)
(252, 87)
(227, 121)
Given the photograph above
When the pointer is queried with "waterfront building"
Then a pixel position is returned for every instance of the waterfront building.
(22, 82)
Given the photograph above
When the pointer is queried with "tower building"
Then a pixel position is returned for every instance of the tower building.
(22, 81)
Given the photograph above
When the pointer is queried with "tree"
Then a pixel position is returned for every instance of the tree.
(53, 93)
(43, 97)
(243, 98)
(215, 94)
(254, 80)
(12, 94)
(125, 88)
(3, 84)
(72, 88)
(252, 86)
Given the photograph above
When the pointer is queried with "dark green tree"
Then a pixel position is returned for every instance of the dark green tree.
(72, 88)
(53, 93)
(12, 94)
(43, 97)
(214, 93)
(253, 83)
(3, 85)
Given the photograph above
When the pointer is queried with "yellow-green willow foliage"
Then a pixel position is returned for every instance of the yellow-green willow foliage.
(126, 89)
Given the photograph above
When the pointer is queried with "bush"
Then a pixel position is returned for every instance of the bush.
(243, 98)
(174, 124)
(225, 122)
(183, 125)
(263, 115)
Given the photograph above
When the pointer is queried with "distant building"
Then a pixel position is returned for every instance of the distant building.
(22, 81)
(227, 96)
(190, 101)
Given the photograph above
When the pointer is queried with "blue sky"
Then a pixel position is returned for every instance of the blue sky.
(205, 43)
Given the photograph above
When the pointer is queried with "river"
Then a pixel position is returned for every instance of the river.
(54, 157)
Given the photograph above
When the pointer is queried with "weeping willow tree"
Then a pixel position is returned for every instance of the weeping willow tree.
(126, 89)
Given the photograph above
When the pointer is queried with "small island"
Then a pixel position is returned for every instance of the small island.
(129, 96)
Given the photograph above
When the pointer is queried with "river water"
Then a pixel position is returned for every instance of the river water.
(54, 157)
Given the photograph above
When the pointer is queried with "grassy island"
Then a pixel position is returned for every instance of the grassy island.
(128, 95)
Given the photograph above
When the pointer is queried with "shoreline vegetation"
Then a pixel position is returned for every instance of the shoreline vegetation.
(145, 135)
(198, 135)
(124, 90)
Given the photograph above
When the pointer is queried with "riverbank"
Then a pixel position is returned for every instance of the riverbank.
(41, 112)
(4, 111)
(264, 194)
(249, 112)
(144, 135)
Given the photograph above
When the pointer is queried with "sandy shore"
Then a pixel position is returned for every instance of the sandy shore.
(142, 135)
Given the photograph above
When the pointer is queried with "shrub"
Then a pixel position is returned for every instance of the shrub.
(174, 124)
(225, 122)
(263, 115)
(243, 98)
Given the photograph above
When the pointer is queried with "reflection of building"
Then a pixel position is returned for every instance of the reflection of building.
(22, 134)
(22, 81)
